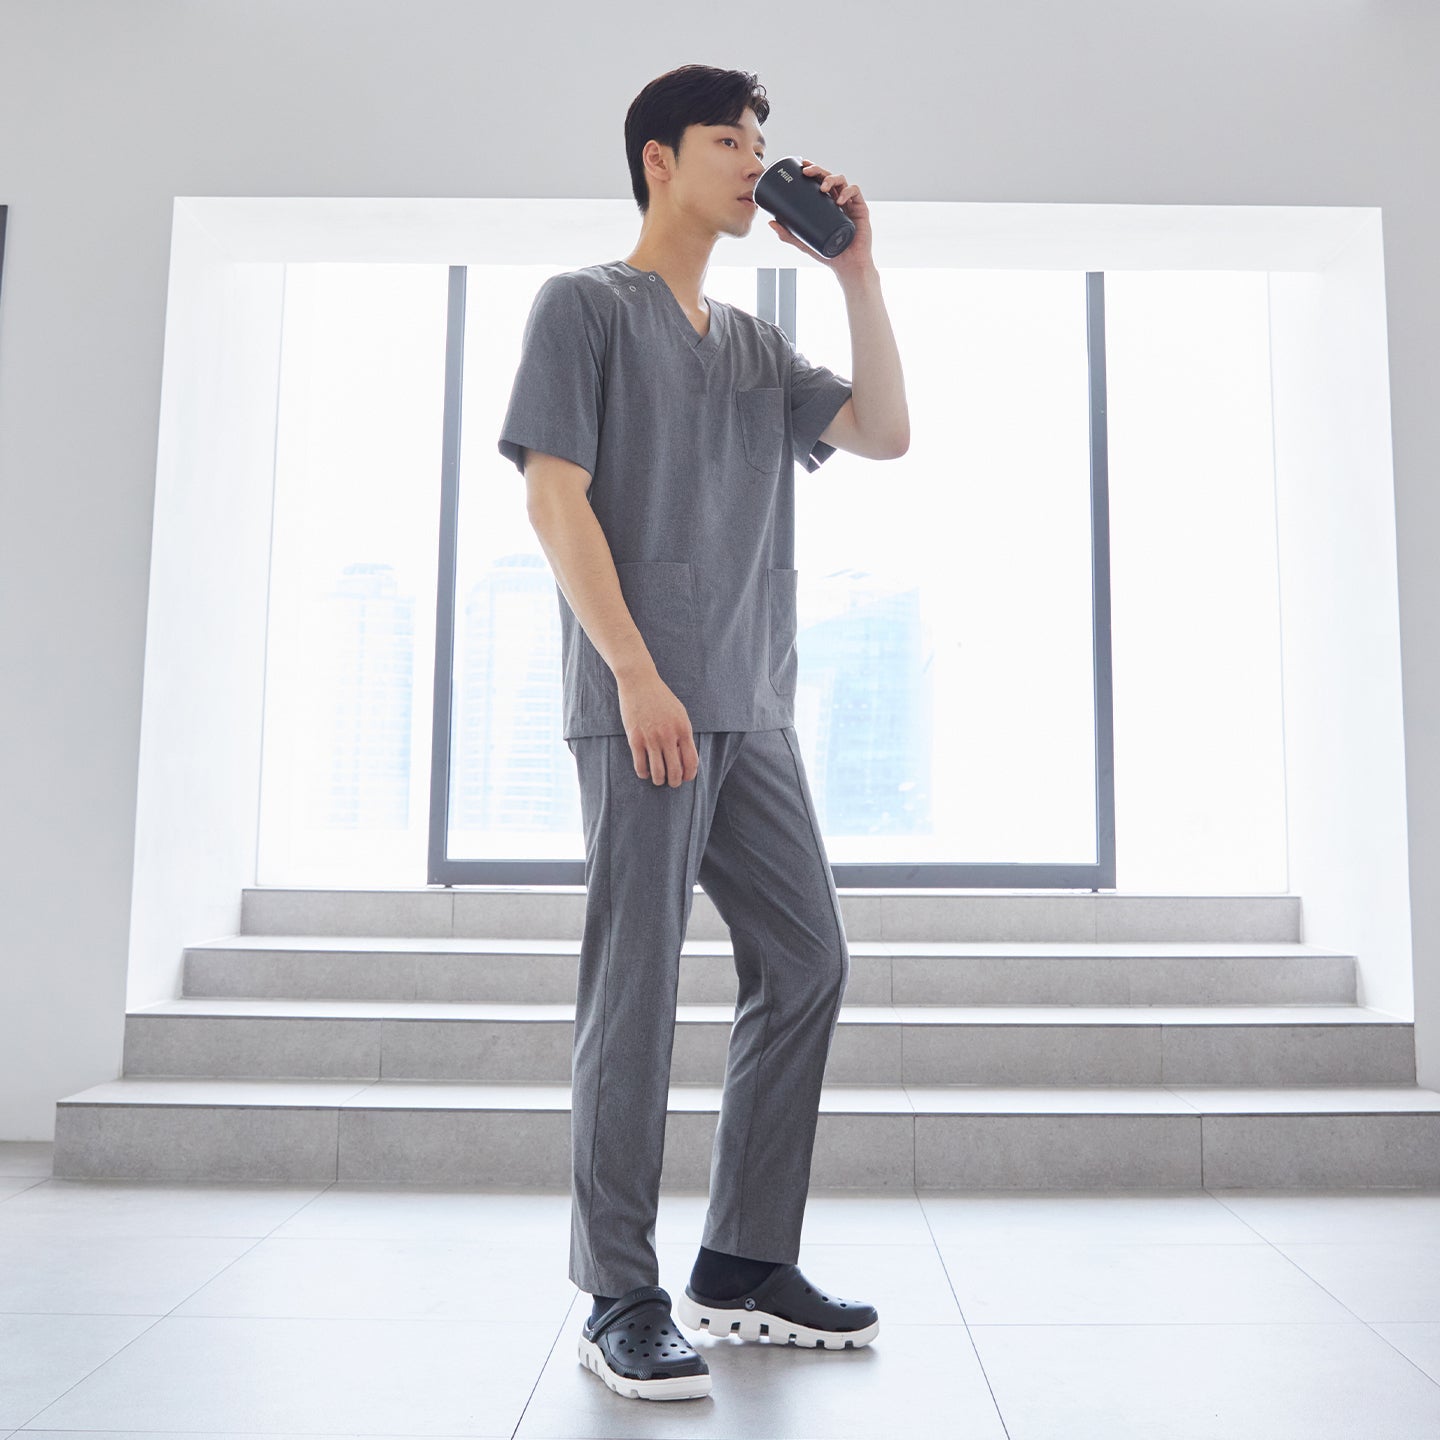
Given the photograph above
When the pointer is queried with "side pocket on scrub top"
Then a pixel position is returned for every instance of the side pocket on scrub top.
(660, 596)
(784, 657)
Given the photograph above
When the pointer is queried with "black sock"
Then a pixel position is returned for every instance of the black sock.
(725, 1277)
(602, 1304)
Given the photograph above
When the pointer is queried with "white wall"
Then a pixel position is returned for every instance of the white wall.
(108, 112)
(1340, 652)
(197, 810)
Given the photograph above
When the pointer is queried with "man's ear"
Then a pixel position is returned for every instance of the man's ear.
(664, 159)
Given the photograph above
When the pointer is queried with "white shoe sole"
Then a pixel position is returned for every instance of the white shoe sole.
(758, 1324)
(676, 1387)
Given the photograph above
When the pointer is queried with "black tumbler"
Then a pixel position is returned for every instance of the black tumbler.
(796, 200)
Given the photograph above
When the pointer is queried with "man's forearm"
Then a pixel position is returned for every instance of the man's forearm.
(584, 568)
(876, 379)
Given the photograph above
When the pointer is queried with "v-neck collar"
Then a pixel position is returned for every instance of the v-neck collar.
(701, 346)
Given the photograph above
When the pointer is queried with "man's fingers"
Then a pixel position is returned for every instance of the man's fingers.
(674, 764)
(666, 762)
(645, 758)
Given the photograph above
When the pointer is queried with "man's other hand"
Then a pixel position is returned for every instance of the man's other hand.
(657, 725)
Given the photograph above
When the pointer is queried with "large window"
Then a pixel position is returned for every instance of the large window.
(957, 607)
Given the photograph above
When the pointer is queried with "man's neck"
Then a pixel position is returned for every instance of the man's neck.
(681, 266)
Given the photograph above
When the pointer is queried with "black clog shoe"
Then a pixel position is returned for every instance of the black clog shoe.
(636, 1348)
(786, 1308)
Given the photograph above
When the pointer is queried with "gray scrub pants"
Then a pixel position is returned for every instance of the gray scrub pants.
(746, 827)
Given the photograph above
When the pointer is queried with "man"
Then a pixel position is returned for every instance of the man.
(657, 430)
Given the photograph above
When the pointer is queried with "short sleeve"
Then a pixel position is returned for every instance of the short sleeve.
(556, 400)
(816, 395)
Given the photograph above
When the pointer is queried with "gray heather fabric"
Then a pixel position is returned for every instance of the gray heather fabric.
(745, 828)
(691, 443)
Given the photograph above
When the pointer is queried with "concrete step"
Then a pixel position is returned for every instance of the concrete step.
(501, 1044)
(558, 912)
(882, 972)
(987, 1040)
(873, 1136)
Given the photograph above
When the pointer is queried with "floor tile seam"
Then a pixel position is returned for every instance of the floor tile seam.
(959, 1308)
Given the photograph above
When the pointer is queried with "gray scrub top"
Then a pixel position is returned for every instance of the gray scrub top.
(691, 443)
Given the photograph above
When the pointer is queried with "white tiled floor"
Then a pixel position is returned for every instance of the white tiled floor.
(132, 1309)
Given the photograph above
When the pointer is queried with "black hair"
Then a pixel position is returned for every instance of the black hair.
(691, 95)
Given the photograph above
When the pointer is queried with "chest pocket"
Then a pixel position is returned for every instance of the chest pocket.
(762, 427)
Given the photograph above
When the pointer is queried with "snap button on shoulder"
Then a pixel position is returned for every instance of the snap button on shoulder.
(750, 1303)
(652, 277)
(632, 287)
